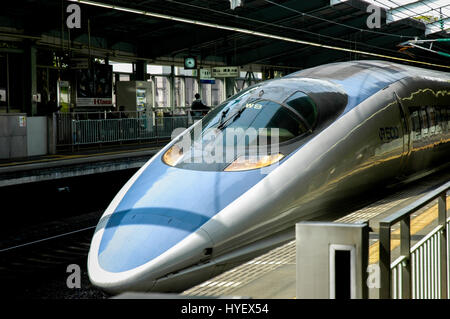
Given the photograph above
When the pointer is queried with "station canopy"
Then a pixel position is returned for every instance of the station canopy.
(281, 33)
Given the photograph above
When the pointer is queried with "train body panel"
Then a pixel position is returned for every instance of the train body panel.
(172, 226)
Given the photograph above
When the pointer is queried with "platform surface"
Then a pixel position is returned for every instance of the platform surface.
(73, 164)
(273, 275)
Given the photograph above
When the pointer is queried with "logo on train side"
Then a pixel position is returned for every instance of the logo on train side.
(388, 134)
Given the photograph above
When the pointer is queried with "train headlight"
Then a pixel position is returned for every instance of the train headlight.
(173, 155)
(244, 163)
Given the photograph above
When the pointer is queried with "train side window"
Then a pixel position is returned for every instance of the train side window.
(431, 114)
(424, 121)
(415, 122)
(443, 118)
(437, 114)
(440, 123)
(448, 117)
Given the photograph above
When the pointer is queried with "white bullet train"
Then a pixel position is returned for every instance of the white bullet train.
(343, 129)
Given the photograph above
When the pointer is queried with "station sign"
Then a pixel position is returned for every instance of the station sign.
(94, 86)
(22, 121)
(94, 101)
(80, 63)
(225, 72)
(205, 76)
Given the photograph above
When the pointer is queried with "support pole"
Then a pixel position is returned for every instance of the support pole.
(405, 250)
(385, 261)
(442, 220)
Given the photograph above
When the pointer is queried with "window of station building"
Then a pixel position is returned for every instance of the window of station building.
(124, 77)
(303, 104)
(158, 69)
(240, 84)
(121, 67)
(179, 91)
(206, 94)
(217, 90)
(190, 89)
(162, 91)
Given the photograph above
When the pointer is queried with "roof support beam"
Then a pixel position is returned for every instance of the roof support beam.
(437, 26)
(409, 8)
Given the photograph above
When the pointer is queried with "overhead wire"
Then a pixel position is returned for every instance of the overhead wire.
(336, 23)
(250, 32)
(351, 42)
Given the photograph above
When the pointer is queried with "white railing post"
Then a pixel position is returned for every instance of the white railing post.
(442, 220)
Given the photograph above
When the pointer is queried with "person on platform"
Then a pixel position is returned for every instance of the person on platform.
(197, 107)
(52, 105)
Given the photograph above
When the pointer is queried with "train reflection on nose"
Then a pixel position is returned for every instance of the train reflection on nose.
(134, 237)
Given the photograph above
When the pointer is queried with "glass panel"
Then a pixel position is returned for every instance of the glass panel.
(424, 121)
(124, 77)
(257, 114)
(191, 87)
(179, 90)
(206, 94)
(162, 91)
(303, 104)
(217, 92)
(448, 116)
(415, 121)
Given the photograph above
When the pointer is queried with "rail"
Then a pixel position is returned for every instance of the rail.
(421, 271)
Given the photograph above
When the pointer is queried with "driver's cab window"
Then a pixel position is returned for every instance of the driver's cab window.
(305, 107)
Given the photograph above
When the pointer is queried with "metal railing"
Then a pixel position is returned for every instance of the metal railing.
(109, 127)
(421, 271)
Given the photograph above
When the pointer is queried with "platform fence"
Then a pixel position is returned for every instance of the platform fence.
(115, 127)
(421, 271)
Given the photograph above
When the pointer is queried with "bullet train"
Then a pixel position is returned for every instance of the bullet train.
(330, 133)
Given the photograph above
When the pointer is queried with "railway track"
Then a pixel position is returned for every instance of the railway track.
(33, 263)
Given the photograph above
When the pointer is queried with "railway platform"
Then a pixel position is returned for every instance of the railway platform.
(273, 275)
(78, 163)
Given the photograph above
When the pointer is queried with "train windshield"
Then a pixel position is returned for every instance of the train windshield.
(273, 122)
(263, 117)
(252, 120)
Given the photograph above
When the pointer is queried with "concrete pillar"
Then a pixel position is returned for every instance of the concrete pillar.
(51, 137)
(172, 88)
(30, 79)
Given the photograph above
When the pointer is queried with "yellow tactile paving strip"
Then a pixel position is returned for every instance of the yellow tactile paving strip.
(235, 278)
(417, 224)
(228, 282)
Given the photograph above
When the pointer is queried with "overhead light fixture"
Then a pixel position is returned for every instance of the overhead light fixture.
(250, 32)
(236, 3)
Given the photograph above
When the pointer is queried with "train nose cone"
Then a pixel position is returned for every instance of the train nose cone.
(154, 227)
(134, 237)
